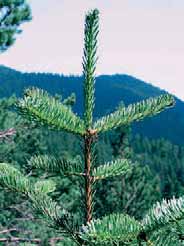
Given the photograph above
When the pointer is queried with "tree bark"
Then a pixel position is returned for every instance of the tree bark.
(88, 179)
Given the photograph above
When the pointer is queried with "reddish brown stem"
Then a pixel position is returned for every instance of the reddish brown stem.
(88, 179)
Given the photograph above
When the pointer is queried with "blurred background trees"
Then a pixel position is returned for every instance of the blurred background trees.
(12, 14)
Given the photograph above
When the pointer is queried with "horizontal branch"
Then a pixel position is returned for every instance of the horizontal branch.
(111, 169)
(135, 112)
(7, 133)
(58, 166)
(23, 240)
(48, 111)
(52, 241)
(8, 230)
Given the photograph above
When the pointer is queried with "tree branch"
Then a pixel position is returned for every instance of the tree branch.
(8, 230)
(17, 239)
(7, 133)
(8, 12)
(52, 241)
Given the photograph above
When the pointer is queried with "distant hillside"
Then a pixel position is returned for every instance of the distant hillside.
(110, 91)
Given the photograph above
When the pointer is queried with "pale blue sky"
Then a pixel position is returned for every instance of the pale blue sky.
(143, 38)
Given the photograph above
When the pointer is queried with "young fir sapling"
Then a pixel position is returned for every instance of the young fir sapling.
(114, 229)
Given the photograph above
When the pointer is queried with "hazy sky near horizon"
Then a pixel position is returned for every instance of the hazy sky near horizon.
(142, 38)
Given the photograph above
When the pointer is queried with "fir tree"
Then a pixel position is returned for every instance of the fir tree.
(113, 229)
(12, 14)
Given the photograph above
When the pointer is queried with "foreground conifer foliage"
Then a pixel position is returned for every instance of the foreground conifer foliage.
(113, 229)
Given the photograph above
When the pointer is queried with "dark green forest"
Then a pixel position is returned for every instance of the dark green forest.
(114, 89)
(157, 147)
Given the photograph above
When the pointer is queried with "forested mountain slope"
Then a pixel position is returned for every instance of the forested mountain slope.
(110, 91)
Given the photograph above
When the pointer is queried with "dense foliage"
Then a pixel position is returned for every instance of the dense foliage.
(158, 174)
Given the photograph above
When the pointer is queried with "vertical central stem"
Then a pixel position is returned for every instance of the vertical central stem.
(88, 178)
